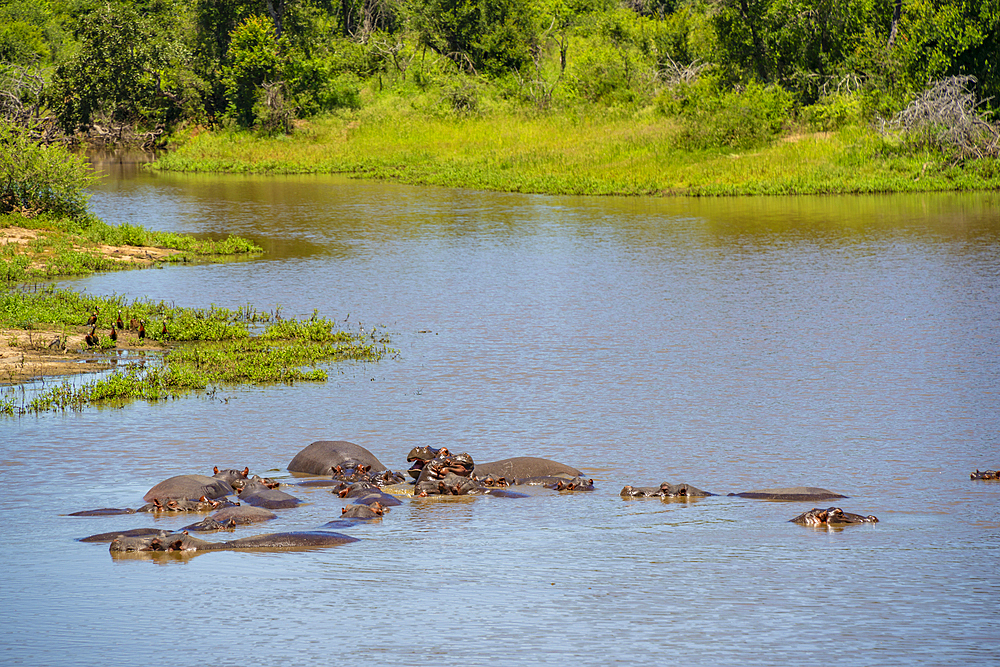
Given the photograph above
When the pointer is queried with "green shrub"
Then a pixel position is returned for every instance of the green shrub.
(36, 179)
(833, 112)
(712, 118)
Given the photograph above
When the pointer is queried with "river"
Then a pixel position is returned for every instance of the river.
(851, 343)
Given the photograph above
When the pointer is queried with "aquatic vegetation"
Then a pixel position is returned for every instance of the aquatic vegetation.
(203, 349)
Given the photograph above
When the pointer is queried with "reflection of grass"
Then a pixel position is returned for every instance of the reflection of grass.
(68, 246)
(565, 154)
(220, 348)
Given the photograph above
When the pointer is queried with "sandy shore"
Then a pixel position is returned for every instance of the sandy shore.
(141, 255)
(29, 354)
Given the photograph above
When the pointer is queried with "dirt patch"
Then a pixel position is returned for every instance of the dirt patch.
(796, 138)
(139, 255)
(30, 354)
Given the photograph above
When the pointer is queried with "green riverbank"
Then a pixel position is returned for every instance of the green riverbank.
(52, 245)
(564, 154)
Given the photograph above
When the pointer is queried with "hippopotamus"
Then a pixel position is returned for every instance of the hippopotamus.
(243, 515)
(258, 495)
(210, 525)
(232, 477)
(792, 493)
(447, 475)
(185, 487)
(182, 542)
(456, 464)
(104, 511)
(665, 490)
(448, 485)
(556, 483)
(203, 504)
(356, 490)
(526, 466)
(831, 516)
(376, 496)
(421, 456)
(135, 532)
(373, 511)
(322, 456)
(986, 474)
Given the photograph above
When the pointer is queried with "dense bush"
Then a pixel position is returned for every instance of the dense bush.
(712, 116)
(36, 179)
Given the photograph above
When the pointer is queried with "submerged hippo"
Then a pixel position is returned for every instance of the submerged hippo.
(985, 474)
(243, 515)
(521, 467)
(665, 490)
(447, 475)
(831, 516)
(322, 456)
(232, 477)
(186, 487)
(135, 532)
(182, 542)
(258, 495)
(790, 493)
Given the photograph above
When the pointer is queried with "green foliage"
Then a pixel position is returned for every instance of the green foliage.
(833, 112)
(117, 72)
(22, 33)
(488, 37)
(331, 79)
(36, 178)
(253, 59)
(713, 117)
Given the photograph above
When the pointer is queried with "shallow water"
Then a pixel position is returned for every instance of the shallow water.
(843, 342)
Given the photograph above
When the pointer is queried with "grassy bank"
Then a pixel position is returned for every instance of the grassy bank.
(194, 349)
(564, 154)
(51, 245)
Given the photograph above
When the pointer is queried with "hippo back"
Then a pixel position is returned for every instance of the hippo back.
(526, 466)
(320, 457)
(188, 487)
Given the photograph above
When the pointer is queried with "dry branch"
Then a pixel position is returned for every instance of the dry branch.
(946, 116)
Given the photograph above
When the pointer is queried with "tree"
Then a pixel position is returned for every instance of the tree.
(484, 36)
(118, 71)
(253, 59)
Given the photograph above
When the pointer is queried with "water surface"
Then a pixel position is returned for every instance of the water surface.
(843, 342)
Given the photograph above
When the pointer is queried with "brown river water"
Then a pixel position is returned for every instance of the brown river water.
(851, 343)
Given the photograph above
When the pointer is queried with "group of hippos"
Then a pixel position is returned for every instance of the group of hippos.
(353, 472)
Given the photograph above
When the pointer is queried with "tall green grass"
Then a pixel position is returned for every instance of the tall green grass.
(571, 154)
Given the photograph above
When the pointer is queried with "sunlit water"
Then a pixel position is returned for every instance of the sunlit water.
(849, 343)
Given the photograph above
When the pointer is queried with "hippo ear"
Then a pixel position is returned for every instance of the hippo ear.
(343, 511)
(246, 471)
(215, 470)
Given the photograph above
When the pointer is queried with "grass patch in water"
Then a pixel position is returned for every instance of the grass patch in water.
(205, 349)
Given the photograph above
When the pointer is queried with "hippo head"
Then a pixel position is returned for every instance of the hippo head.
(351, 472)
(420, 456)
(455, 464)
